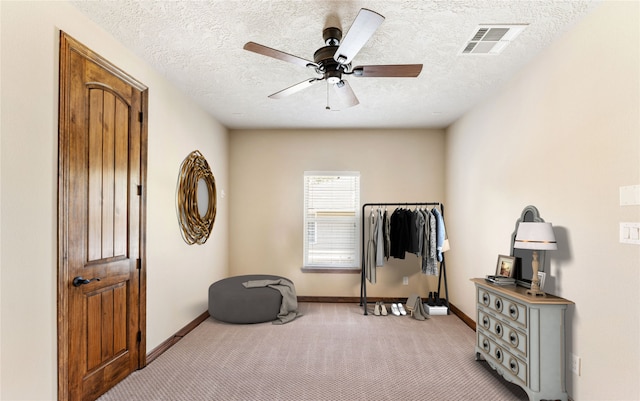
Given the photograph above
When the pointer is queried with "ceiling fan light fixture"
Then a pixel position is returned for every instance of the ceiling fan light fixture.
(333, 77)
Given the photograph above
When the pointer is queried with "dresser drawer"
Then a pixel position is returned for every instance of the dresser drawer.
(505, 360)
(514, 311)
(501, 330)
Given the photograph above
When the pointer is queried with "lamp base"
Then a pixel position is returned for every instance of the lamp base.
(536, 293)
(535, 281)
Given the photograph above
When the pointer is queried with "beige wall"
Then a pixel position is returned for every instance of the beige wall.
(564, 136)
(178, 275)
(266, 198)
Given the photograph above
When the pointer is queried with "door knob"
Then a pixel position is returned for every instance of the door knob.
(79, 280)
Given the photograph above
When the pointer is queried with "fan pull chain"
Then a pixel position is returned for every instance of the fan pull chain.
(327, 108)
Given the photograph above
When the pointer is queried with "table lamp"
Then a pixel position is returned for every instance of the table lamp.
(536, 236)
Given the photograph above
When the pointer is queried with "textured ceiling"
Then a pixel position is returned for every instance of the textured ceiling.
(198, 46)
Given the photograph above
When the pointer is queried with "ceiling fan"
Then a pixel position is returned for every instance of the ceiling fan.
(333, 61)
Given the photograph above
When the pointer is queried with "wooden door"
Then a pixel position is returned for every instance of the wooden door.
(102, 169)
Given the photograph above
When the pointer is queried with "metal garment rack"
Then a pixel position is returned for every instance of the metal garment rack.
(363, 278)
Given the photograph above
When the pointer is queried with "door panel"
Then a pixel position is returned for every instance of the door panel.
(102, 145)
(108, 169)
(106, 325)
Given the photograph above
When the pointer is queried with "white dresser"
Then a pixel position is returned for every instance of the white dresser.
(523, 338)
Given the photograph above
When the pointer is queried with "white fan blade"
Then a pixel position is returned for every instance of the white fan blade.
(294, 88)
(361, 30)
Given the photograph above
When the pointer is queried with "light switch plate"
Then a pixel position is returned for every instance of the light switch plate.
(630, 233)
(630, 195)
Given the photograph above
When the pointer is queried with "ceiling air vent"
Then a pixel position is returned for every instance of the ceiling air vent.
(492, 39)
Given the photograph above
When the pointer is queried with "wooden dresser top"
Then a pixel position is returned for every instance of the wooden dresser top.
(521, 293)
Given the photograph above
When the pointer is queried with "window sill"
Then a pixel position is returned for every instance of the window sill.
(339, 270)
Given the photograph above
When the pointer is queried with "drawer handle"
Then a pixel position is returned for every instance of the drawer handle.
(514, 366)
(513, 312)
(513, 338)
(485, 299)
(498, 304)
(499, 354)
(485, 344)
(499, 329)
(485, 322)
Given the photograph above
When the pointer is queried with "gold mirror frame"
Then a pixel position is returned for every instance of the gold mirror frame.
(195, 228)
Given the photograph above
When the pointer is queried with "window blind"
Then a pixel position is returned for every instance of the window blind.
(331, 219)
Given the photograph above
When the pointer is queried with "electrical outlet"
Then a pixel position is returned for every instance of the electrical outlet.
(575, 364)
(405, 280)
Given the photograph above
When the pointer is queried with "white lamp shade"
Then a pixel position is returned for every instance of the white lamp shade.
(537, 236)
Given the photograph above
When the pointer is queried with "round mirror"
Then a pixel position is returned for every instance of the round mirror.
(196, 199)
(203, 197)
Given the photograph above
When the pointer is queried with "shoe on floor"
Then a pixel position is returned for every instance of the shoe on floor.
(401, 309)
(376, 309)
(395, 310)
(383, 309)
(430, 300)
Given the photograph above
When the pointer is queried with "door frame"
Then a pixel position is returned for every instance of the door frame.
(67, 46)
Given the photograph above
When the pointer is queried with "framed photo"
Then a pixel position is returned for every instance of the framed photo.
(506, 266)
(541, 277)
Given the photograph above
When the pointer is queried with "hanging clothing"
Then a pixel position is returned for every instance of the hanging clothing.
(425, 242)
(430, 259)
(413, 232)
(399, 233)
(419, 230)
(386, 233)
(379, 239)
(370, 258)
(440, 233)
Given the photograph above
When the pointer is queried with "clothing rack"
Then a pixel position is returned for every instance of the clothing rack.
(363, 278)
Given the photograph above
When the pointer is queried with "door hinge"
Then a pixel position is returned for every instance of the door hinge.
(138, 264)
(140, 117)
(139, 336)
(139, 190)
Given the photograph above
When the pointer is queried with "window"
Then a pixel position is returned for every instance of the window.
(331, 219)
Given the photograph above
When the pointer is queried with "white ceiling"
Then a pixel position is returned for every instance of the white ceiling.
(197, 45)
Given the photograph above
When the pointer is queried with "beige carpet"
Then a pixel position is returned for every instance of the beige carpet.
(333, 352)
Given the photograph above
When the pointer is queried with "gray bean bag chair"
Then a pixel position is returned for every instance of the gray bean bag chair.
(231, 302)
